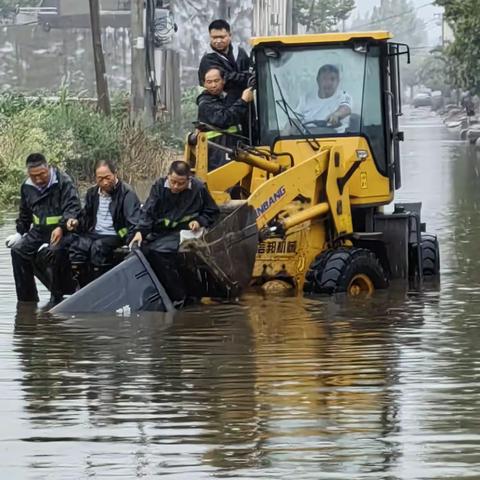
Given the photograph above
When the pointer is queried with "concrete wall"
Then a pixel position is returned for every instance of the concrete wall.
(32, 59)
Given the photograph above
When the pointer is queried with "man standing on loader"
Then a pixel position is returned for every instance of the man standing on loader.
(176, 202)
(233, 61)
(213, 109)
(107, 221)
(48, 200)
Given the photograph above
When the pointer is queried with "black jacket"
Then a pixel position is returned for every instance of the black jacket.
(50, 208)
(235, 65)
(125, 210)
(215, 110)
(165, 211)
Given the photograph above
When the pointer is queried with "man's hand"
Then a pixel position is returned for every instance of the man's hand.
(72, 224)
(247, 95)
(56, 236)
(136, 239)
(334, 119)
(194, 226)
(11, 240)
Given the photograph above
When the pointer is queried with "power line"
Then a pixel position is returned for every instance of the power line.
(398, 15)
(425, 47)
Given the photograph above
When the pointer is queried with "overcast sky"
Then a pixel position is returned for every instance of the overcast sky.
(426, 13)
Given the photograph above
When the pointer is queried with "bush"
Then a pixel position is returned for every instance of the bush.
(74, 136)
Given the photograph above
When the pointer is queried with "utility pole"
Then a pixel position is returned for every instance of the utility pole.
(222, 9)
(103, 98)
(289, 17)
(138, 86)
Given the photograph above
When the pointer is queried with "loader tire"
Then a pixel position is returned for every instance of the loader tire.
(430, 255)
(314, 273)
(355, 271)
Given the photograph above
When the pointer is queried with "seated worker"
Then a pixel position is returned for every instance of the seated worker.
(214, 110)
(328, 103)
(106, 222)
(177, 202)
(48, 200)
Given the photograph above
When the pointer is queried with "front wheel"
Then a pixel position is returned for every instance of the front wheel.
(354, 271)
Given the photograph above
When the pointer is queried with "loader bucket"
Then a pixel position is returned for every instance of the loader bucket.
(131, 285)
(220, 264)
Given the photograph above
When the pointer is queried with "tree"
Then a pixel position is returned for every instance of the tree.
(103, 98)
(321, 15)
(400, 18)
(397, 16)
(432, 71)
(464, 18)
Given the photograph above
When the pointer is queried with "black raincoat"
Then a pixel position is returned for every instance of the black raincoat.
(216, 111)
(41, 211)
(90, 247)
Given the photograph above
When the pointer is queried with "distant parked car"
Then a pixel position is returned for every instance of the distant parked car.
(438, 101)
(422, 100)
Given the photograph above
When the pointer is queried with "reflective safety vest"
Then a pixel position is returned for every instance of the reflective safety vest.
(214, 134)
(47, 221)
(167, 223)
(122, 232)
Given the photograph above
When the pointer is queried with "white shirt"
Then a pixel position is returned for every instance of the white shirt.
(104, 224)
(313, 108)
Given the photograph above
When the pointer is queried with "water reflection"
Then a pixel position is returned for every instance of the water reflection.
(259, 385)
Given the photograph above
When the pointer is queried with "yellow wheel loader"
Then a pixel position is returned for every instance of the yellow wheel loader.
(303, 195)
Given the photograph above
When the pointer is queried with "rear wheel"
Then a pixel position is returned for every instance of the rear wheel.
(355, 271)
(430, 255)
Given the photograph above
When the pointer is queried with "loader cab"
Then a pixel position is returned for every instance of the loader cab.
(360, 72)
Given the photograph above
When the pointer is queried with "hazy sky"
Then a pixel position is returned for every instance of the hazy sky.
(426, 13)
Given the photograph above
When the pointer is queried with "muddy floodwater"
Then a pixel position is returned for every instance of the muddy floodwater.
(307, 388)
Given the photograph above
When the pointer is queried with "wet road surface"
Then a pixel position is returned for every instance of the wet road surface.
(385, 388)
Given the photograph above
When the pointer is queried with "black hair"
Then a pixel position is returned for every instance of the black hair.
(328, 68)
(180, 168)
(36, 160)
(105, 163)
(222, 73)
(219, 24)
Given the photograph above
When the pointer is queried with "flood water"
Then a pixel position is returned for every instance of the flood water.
(384, 388)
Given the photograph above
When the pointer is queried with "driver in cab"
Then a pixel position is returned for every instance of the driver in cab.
(328, 106)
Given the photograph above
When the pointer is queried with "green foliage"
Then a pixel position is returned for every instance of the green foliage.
(94, 136)
(74, 136)
(464, 18)
(189, 107)
(321, 15)
(432, 72)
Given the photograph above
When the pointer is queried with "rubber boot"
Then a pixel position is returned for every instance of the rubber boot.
(24, 278)
(98, 271)
(82, 274)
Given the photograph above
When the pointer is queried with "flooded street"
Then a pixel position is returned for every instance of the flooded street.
(308, 388)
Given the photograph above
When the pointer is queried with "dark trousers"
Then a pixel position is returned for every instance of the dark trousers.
(161, 252)
(92, 255)
(95, 249)
(50, 265)
(167, 270)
